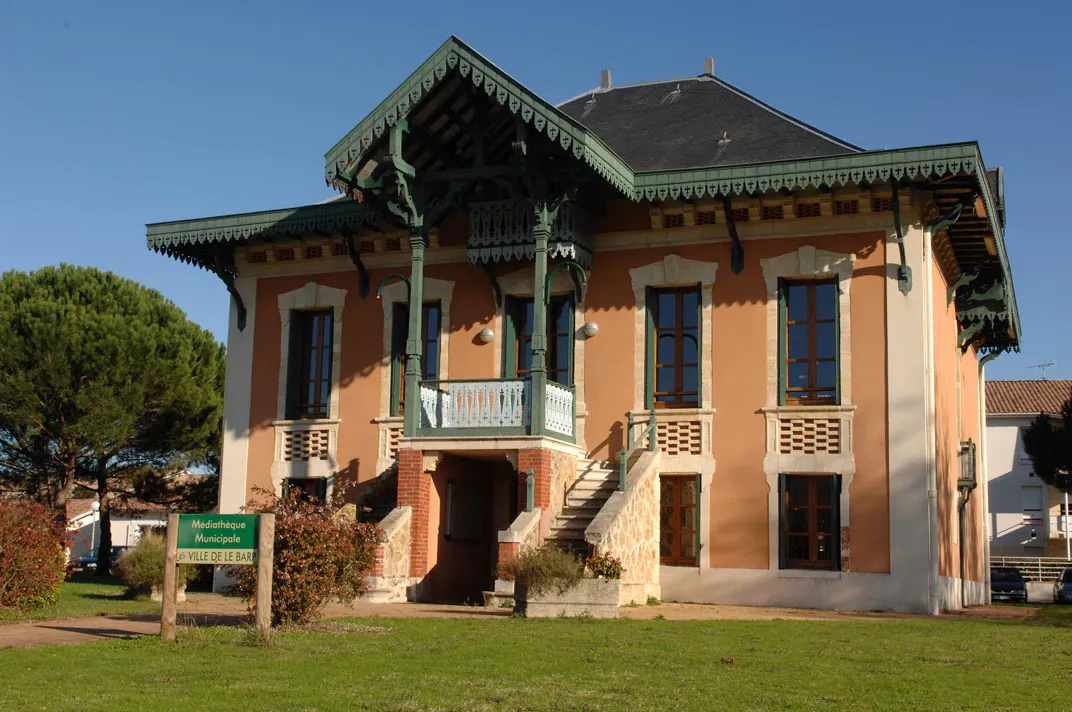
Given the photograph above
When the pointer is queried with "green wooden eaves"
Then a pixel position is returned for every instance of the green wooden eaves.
(455, 56)
(327, 217)
(828, 171)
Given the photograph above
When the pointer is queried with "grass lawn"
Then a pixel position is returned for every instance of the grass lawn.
(475, 664)
(87, 595)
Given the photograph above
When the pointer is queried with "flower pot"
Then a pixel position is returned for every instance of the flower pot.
(590, 597)
(156, 593)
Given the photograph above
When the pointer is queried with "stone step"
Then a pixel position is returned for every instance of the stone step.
(595, 496)
(557, 534)
(587, 509)
(563, 523)
(589, 485)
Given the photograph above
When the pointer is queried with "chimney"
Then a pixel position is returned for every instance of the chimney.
(604, 79)
(709, 66)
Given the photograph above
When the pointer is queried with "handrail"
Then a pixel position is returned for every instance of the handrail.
(631, 446)
(474, 380)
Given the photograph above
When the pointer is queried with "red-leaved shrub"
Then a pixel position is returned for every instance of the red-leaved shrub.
(32, 558)
(320, 555)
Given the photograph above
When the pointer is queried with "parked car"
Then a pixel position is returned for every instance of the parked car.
(1062, 587)
(1007, 584)
(89, 561)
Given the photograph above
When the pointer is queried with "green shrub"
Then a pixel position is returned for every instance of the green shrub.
(545, 568)
(142, 567)
(319, 555)
(32, 558)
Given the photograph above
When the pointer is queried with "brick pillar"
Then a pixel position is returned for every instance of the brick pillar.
(508, 551)
(539, 459)
(414, 490)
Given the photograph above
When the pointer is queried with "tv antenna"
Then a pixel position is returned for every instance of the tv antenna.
(1042, 368)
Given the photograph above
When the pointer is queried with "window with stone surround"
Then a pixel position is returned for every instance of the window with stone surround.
(679, 519)
(313, 490)
(809, 515)
(808, 341)
(560, 338)
(309, 380)
(674, 349)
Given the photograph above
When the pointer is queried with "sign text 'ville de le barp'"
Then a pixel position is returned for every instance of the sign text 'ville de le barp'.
(217, 539)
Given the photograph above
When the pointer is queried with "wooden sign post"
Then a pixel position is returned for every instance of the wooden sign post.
(221, 539)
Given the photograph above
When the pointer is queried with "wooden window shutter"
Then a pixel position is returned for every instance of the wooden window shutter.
(399, 333)
(783, 543)
(294, 362)
(698, 518)
(511, 317)
(649, 347)
(835, 517)
(571, 309)
(837, 347)
(783, 290)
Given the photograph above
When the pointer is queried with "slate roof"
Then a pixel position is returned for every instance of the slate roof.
(685, 123)
(1026, 397)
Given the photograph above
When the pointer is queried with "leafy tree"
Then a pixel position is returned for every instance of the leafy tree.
(104, 385)
(1049, 445)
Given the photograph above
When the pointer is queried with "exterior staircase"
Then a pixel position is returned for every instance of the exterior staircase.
(594, 485)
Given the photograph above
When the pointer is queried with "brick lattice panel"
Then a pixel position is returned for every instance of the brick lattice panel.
(305, 445)
(705, 217)
(846, 207)
(682, 437)
(819, 436)
(808, 210)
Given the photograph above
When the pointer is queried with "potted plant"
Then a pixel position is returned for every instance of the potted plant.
(142, 569)
(550, 582)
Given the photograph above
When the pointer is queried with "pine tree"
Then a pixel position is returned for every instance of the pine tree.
(104, 385)
(1048, 442)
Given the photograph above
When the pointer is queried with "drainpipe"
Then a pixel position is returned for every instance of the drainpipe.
(933, 599)
(962, 507)
(984, 480)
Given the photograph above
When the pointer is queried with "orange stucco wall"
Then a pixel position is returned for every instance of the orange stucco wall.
(739, 505)
(739, 502)
(956, 375)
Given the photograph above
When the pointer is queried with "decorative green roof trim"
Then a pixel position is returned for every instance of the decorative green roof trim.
(171, 236)
(455, 55)
(869, 166)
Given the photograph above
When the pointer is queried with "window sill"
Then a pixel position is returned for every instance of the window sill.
(817, 410)
(670, 413)
(808, 574)
(305, 423)
(390, 419)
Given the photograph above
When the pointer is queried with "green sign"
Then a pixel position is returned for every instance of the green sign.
(217, 539)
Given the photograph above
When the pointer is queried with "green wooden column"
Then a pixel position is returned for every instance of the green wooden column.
(414, 343)
(541, 233)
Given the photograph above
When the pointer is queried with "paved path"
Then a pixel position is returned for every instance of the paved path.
(210, 609)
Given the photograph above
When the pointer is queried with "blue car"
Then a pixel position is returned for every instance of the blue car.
(1007, 584)
(1062, 587)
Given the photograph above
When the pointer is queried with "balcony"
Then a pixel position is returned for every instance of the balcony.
(493, 407)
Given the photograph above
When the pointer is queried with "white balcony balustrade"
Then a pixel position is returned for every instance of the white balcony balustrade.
(491, 407)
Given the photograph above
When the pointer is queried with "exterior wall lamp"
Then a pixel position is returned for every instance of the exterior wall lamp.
(590, 329)
(486, 335)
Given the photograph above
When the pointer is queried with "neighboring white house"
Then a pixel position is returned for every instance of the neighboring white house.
(1025, 514)
(128, 524)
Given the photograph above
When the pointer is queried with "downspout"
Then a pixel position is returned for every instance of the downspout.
(984, 476)
(933, 599)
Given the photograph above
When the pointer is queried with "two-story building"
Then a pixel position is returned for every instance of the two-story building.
(1027, 517)
(664, 319)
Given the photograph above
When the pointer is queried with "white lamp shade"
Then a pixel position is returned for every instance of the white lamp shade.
(486, 335)
(95, 506)
(590, 329)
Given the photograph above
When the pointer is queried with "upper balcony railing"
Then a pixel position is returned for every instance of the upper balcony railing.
(493, 407)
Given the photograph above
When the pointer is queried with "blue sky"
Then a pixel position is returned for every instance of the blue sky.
(115, 114)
